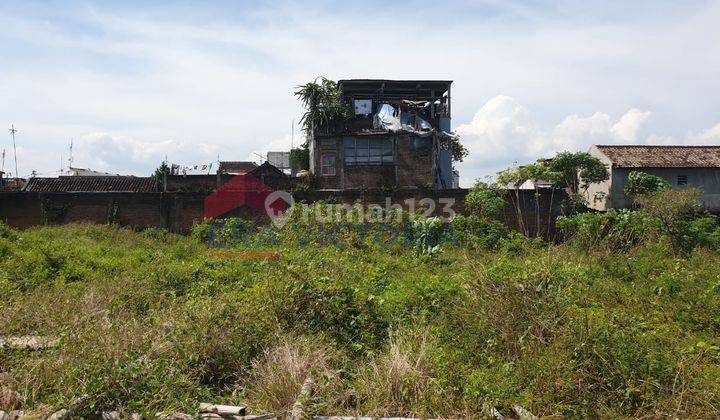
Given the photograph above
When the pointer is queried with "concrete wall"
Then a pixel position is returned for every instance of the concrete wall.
(178, 211)
(706, 178)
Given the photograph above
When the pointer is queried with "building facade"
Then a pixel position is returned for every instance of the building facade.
(681, 166)
(398, 137)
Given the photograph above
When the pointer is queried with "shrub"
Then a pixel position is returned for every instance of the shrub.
(485, 201)
(474, 230)
(401, 381)
(612, 230)
(641, 183)
(674, 209)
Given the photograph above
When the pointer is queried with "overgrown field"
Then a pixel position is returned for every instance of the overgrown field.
(151, 322)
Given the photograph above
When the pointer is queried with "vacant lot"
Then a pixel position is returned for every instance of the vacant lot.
(150, 322)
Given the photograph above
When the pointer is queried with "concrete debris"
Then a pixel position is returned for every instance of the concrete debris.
(28, 342)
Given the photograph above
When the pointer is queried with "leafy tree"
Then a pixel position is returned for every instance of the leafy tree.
(161, 171)
(458, 151)
(300, 158)
(324, 112)
(576, 171)
(642, 183)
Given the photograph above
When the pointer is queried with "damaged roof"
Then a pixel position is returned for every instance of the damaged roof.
(400, 89)
(92, 184)
(636, 156)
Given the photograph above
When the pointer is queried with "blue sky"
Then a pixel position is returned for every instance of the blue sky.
(194, 80)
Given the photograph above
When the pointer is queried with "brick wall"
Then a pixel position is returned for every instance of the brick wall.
(173, 211)
(178, 211)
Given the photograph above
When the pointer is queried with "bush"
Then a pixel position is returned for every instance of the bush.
(485, 201)
(674, 209)
(612, 230)
(473, 230)
(641, 183)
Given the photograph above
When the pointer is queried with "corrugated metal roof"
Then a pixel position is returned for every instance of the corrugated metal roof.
(662, 156)
(93, 184)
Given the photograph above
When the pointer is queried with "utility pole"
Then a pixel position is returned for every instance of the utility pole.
(12, 132)
(292, 135)
(2, 169)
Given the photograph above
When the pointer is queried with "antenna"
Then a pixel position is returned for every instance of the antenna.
(71, 159)
(12, 132)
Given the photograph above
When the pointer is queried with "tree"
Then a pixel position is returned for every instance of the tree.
(642, 183)
(323, 109)
(576, 171)
(534, 172)
(300, 158)
(161, 171)
(458, 151)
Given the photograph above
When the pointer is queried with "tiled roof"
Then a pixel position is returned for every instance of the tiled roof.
(93, 184)
(663, 156)
(236, 167)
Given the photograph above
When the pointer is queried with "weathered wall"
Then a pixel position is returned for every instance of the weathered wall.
(173, 211)
(178, 211)
(412, 166)
(706, 178)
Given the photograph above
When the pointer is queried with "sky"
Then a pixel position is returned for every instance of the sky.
(131, 84)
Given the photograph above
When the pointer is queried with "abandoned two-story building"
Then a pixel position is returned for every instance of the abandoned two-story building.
(398, 137)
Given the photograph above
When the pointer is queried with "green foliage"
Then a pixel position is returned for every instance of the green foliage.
(324, 112)
(474, 230)
(612, 230)
(577, 170)
(151, 321)
(161, 171)
(458, 151)
(674, 209)
(486, 201)
(641, 183)
(300, 159)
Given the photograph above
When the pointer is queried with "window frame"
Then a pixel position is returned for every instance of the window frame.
(682, 180)
(323, 166)
(372, 151)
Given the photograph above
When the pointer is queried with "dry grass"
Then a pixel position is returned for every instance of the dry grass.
(279, 373)
(400, 381)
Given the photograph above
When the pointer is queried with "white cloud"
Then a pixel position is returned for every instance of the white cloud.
(112, 153)
(628, 128)
(503, 133)
(142, 83)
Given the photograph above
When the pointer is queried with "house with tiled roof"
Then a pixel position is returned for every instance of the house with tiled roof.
(681, 166)
(74, 184)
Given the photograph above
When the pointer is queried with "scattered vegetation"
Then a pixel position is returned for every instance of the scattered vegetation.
(613, 323)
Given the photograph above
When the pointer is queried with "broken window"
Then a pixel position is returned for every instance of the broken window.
(682, 180)
(328, 160)
(368, 151)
